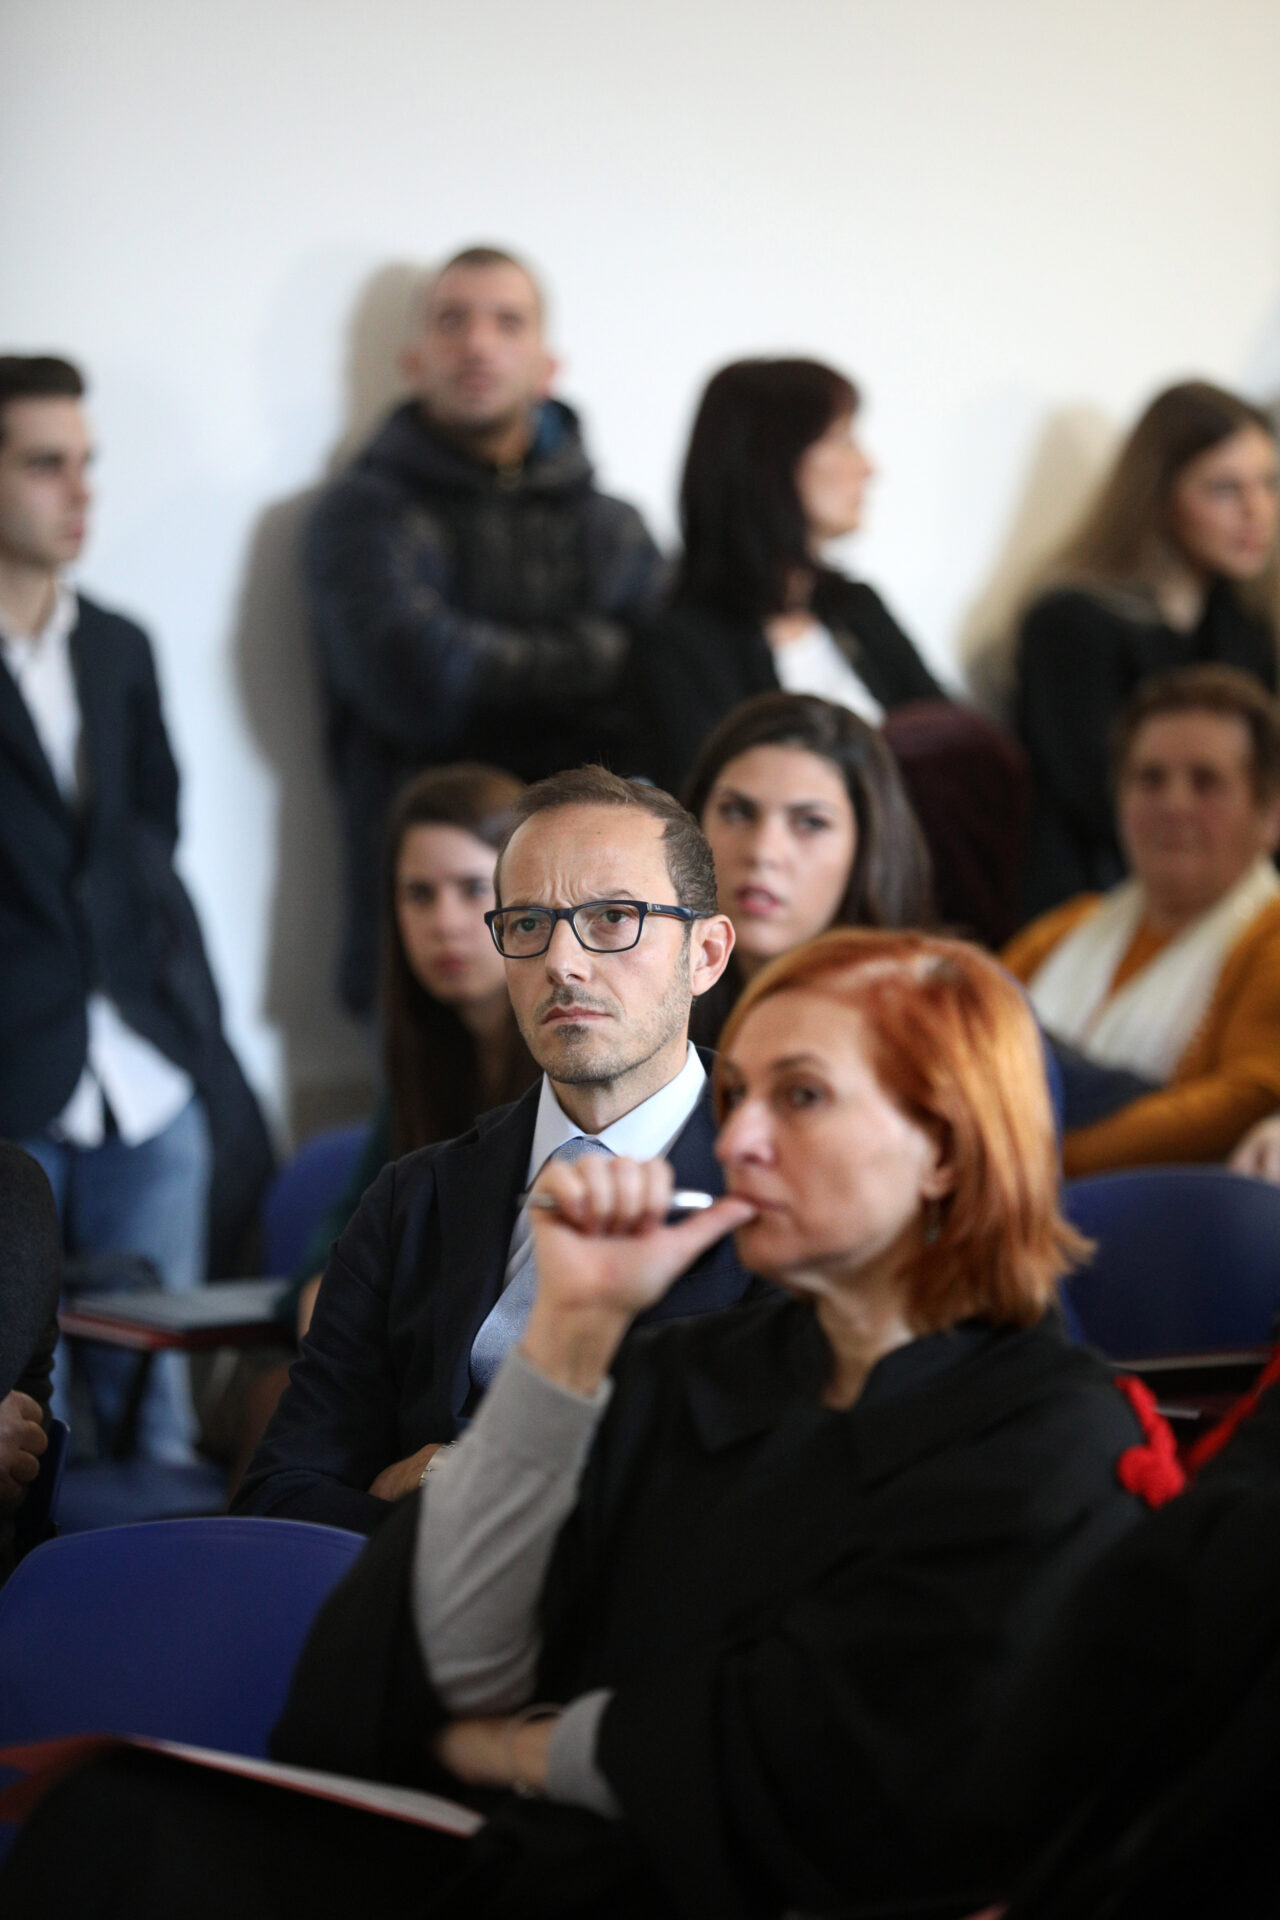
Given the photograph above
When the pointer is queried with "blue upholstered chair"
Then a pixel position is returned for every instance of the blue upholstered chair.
(1188, 1261)
(177, 1629)
(303, 1190)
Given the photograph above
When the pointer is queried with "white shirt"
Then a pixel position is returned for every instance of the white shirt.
(814, 664)
(145, 1090)
(646, 1133)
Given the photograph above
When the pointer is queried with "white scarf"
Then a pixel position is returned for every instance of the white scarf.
(1149, 1024)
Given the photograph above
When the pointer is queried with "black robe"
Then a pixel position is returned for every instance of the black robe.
(808, 1619)
(806, 1616)
(1142, 1756)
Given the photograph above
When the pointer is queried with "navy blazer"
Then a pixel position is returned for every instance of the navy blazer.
(386, 1366)
(74, 881)
(90, 899)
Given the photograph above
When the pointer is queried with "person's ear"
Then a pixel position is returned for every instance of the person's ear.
(939, 1177)
(710, 944)
(1269, 836)
(410, 360)
(549, 371)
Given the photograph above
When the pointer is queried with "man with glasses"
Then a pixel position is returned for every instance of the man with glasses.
(609, 926)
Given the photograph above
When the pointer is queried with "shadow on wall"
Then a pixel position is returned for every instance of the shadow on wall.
(1066, 463)
(328, 1060)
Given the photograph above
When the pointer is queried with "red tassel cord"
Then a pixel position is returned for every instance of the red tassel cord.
(1151, 1470)
(1212, 1443)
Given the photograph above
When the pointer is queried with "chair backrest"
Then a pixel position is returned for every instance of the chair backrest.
(178, 1629)
(970, 787)
(1188, 1260)
(302, 1191)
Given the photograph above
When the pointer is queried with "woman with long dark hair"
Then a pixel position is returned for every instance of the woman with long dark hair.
(810, 827)
(451, 1048)
(1176, 564)
(774, 471)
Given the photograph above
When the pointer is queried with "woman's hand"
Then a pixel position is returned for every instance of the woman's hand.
(784, 629)
(22, 1441)
(503, 1752)
(1259, 1151)
(604, 1255)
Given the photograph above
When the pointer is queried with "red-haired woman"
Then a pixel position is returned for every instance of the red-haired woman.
(772, 1569)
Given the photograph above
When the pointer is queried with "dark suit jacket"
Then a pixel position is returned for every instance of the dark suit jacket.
(89, 898)
(691, 666)
(806, 1617)
(385, 1368)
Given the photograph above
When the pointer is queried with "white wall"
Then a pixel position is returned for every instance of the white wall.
(1010, 219)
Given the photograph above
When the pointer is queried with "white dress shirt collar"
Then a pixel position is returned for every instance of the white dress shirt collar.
(57, 625)
(643, 1134)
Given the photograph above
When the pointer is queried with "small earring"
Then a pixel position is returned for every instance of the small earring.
(932, 1222)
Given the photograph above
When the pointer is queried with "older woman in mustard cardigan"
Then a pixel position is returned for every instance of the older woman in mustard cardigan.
(1169, 985)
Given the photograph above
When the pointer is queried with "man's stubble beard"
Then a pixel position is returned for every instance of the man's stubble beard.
(472, 436)
(631, 1053)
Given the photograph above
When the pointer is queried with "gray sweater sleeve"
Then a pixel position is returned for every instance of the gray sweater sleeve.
(492, 1510)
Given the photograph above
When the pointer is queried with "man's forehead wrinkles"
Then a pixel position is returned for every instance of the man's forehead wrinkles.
(568, 884)
(482, 289)
(576, 896)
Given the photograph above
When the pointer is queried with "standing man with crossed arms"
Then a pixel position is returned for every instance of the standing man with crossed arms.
(471, 587)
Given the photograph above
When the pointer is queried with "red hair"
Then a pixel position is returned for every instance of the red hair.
(953, 1043)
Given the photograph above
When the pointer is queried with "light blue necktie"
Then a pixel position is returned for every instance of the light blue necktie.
(510, 1313)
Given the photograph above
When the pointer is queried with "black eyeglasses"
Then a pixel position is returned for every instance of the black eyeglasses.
(601, 926)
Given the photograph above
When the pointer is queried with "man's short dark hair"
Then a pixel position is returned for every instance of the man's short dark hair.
(1208, 689)
(687, 852)
(37, 376)
(487, 256)
(484, 256)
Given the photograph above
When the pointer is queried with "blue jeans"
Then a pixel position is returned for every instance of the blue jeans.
(151, 1199)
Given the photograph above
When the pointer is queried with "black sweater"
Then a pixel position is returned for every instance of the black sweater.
(1080, 656)
(692, 665)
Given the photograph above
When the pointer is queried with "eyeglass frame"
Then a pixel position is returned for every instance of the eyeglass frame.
(643, 907)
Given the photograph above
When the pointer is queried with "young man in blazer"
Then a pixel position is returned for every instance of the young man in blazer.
(112, 1059)
(610, 930)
